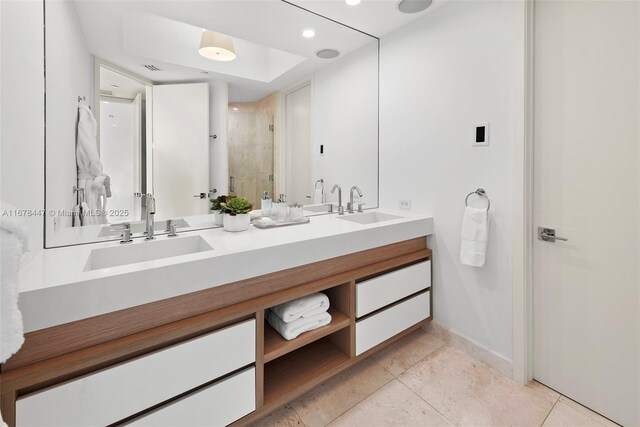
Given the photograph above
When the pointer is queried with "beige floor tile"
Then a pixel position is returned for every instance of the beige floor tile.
(552, 394)
(467, 392)
(329, 400)
(283, 417)
(586, 411)
(402, 355)
(392, 405)
(564, 415)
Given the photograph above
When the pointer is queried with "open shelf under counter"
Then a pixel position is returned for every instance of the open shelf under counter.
(301, 370)
(276, 346)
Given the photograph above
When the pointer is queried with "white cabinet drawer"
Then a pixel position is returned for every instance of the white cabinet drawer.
(120, 391)
(219, 404)
(391, 287)
(384, 325)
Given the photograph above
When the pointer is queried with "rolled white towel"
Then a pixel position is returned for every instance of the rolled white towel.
(292, 330)
(475, 234)
(309, 305)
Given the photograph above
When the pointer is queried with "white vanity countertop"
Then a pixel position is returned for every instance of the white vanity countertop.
(55, 289)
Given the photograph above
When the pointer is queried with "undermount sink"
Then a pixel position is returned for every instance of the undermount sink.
(369, 217)
(142, 251)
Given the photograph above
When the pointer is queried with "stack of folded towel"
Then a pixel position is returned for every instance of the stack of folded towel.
(301, 315)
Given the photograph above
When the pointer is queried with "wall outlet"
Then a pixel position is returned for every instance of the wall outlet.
(405, 204)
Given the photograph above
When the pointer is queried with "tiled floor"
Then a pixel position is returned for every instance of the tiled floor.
(421, 381)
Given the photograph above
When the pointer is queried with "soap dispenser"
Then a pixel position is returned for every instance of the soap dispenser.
(266, 204)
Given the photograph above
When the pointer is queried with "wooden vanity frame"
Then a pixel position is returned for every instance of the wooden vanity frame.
(60, 353)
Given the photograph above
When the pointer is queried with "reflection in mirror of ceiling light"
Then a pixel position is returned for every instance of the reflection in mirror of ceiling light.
(216, 46)
(235, 108)
(308, 33)
(352, 2)
(114, 85)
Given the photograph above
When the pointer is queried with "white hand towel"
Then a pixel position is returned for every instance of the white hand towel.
(301, 307)
(475, 234)
(317, 197)
(293, 329)
(13, 243)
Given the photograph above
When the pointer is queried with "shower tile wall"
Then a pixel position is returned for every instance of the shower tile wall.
(251, 147)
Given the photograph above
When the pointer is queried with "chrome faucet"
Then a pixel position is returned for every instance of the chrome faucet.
(151, 211)
(333, 190)
(350, 204)
(126, 232)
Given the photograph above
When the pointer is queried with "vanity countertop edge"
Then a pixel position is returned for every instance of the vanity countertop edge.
(48, 299)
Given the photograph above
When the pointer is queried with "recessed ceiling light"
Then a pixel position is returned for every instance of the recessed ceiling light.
(352, 2)
(327, 53)
(308, 33)
(217, 46)
(413, 6)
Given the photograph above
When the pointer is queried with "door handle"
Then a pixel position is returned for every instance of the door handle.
(549, 235)
(232, 186)
(201, 196)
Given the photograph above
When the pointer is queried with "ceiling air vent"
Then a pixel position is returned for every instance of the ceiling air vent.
(151, 67)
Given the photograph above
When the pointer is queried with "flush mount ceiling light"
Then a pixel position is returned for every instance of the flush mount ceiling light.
(308, 33)
(352, 2)
(216, 46)
(327, 53)
(413, 6)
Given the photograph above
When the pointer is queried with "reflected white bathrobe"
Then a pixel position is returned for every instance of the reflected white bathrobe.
(90, 174)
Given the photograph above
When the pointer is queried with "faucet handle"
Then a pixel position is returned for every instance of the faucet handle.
(360, 205)
(172, 229)
(126, 233)
(330, 207)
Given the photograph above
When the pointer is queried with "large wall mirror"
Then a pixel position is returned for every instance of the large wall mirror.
(188, 100)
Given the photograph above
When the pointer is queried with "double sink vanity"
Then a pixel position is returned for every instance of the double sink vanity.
(172, 331)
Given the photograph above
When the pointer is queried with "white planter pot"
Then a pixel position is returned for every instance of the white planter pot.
(217, 217)
(236, 222)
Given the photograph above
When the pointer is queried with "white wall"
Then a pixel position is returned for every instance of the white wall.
(69, 75)
(22, 111)
(344, 117)
(439, 76)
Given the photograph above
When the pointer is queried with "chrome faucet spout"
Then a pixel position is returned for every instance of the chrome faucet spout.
(350, 204)
(333, 190)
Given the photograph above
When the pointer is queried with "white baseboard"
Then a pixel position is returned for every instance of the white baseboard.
(472, 348)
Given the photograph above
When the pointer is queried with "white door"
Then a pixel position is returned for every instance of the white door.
(298, 173)
(587, 188)
(180, 149)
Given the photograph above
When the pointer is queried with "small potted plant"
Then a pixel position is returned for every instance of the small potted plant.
(216, 208)
(236, 212)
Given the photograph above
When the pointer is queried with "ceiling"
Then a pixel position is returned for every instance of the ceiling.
(267, 34)
(375, 17)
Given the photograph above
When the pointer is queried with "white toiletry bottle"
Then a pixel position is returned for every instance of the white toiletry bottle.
(266, 204)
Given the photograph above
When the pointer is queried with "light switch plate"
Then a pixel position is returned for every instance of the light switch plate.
(481, 135)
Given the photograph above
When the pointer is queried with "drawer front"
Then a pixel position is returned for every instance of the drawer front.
(384, 325)
(391, 287)
(219, 404)
(118, 392)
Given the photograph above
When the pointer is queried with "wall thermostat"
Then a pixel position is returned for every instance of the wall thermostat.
(481, 135)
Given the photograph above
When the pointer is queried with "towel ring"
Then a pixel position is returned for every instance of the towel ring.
(481, 193)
